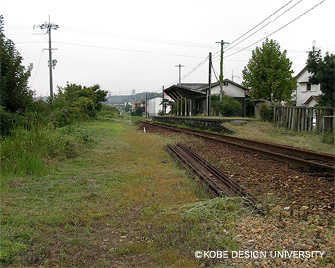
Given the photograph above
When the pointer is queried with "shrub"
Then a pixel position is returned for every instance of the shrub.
(227, 107)
(8, 121)
(266, 113)
(138, 111)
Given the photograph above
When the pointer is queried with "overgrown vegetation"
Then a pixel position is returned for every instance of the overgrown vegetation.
(228, 106)
(108, 205)
(266, 113)
(28, 152)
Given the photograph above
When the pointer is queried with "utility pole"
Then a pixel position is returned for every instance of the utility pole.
(146, 105)
(221, 68)
(163, 102)
(209, 85)
(179, 65)
(52, 63)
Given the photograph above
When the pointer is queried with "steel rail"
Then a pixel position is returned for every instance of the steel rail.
(216, 182)
(301, 162)
(236, 188)
(293, 150)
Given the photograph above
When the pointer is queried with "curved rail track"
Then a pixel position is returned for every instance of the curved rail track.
(313, 161)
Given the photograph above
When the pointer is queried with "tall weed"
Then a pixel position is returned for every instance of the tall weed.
(28, 151)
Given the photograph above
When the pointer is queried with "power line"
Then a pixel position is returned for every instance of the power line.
(137, 38)
(196, 67)
(38, 65)
(129, 50)
(277, 29)
(260, 23)
(230, 47)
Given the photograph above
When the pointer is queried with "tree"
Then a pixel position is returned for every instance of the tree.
(138, 111)
(323, 73)
(269, 72)
(75, 102)
(15, 95)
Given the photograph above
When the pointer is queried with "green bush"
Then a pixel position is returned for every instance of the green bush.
(266, 113)
(138, 111)
(8, 121)
(227, 107)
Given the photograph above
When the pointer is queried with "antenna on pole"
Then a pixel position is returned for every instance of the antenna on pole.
(52, 63)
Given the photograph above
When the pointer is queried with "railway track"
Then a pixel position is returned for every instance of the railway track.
(313, 161)
(218, 184)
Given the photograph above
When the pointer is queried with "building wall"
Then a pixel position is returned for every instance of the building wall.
(154, 106)
(230, 90)
(302, 94)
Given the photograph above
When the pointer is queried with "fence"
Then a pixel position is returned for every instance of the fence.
(320, 119)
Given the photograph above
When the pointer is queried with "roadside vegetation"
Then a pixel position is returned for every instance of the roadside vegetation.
(118, 200)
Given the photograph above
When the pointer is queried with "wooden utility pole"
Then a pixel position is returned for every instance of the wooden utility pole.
(163, 102)
(146, 105)
(221, 68)
(209, 85)
(52, 63)
(179, 65)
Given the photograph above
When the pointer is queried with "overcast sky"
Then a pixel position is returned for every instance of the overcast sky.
(134, 45)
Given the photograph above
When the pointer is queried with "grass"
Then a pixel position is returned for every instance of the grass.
(265, 131)
(117, 201)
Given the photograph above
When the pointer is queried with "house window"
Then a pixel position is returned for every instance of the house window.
(308, 87)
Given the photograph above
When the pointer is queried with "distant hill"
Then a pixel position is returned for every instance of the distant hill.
(130, 98)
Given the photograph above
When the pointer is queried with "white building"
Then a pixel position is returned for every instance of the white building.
(154, 106)
(306, 93)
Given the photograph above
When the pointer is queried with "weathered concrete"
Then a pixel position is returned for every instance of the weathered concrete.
(214, 124)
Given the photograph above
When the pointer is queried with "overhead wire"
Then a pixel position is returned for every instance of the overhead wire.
(38, 65)
(123, 49)
(137, 38)
(230, 47)
(215, 54)
(33, 44)
(259, 23)
(303, 14)
(196, 67)
(244, 48)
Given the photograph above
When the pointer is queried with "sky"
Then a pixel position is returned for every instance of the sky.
(135, 45)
